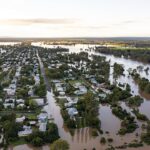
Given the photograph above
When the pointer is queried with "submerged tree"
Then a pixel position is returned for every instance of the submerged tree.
(60, 145)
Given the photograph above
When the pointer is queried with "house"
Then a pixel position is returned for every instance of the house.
(5, 69)
(56, 81)
(32, 123)
(20, 101)
(83, 89)
(39, 101)
(93, 81)
(10, 100)
(49, 67)
(61, 93)
(30, 92)
(9, 103)
(12, 86)
(76, 85)
(71, 101)
(14, 81)
(69, 104)
(72, 111)
(21, 119)
(59, 89)
(42, 119)
(25, 132)
(102, 95)
(42, 126)
(2, 51)
(20, 105)
(10, 92)
(17, 74)
(37, 79)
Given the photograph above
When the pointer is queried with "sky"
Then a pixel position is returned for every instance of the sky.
(74, 18)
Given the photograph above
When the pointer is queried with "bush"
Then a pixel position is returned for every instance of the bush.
(145, 138)
(135, 145)
(110, 140)
(37, 141)
(60, 145)
(103, 140)
(94, 132)
(135, 101)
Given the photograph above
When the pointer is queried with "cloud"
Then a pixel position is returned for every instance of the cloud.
(36, 21)
(129, 21)
(86, 27)
(126, 22)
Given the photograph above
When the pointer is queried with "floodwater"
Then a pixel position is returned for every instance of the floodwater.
(82, 138)
(9, 43)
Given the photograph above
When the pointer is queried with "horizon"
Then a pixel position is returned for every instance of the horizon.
(57, 19)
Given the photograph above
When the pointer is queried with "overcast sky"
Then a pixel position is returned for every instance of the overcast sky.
(74, 18)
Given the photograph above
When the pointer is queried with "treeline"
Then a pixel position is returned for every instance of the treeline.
(144, 84)
(136, 54)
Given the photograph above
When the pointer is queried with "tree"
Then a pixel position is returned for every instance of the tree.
(40, 90)
(60, 145)
(103, 140)
(37, 141)
(32, 104)
(38, 138)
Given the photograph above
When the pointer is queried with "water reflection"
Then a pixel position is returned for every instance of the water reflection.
(108, 121)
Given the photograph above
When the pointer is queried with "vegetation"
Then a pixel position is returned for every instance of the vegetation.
(89, 71)
(10, 128)
(40, 90)
(89, 108)
(128, 124)
(139, 115)
(133, 53)
(144, 84)
(118, 95)
(38, 138)
(145, 136)
(135, 101)
(135, 144)
(118, 70)
(60, 145)
(103, 140)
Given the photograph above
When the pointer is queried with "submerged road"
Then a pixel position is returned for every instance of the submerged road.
(43, 72)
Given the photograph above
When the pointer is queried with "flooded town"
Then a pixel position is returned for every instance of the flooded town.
(77, 93)
(74, 75)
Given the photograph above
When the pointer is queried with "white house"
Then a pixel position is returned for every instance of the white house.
(21, 119)
(19, 101)
(42, 126)
(25, 132)
(72, 111)
(39, 101)
(7, 105)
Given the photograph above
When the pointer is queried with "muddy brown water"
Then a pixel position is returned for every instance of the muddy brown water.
(82, 138)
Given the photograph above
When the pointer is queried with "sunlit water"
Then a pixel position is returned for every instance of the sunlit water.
(9, 43)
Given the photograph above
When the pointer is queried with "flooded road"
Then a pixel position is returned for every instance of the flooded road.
(82, 138)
